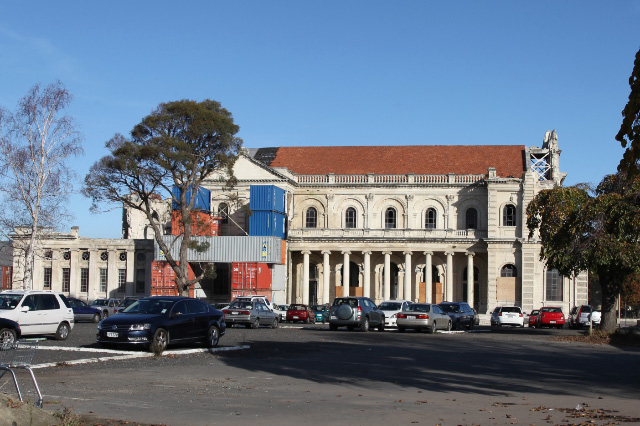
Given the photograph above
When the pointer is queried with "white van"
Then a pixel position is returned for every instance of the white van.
(38, 312)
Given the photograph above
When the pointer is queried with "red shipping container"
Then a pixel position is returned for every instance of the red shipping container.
(202, 224)
(163, 279)
(251, 277)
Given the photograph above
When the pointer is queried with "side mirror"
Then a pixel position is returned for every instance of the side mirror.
(24, 309)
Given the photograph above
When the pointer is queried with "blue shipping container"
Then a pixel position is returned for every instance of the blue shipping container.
(267, 224)
(267, 198)
(202, 201)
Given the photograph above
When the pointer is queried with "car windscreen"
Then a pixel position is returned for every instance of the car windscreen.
(241, 305)
(9, 301)
(149, 306)
(553, 310)
(450, 308)
(418, 308)
(126, 302)
(586, 309)
(390, 306)
(511, 309)
(297, 308)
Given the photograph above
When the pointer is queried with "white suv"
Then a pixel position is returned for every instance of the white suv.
(38, 312)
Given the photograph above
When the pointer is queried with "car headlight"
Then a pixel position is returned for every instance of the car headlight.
(394, 315)
(139, 327)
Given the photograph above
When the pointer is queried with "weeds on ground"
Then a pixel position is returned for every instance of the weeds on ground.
(68, 418)
(156, 349)
(602, 337)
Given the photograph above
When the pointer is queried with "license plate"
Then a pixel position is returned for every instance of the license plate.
(112, 334)
(552, 322)
(234, 313)
(295, 317)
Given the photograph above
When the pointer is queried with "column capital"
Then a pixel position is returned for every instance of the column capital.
(326, 252)
(470, 253)
(307, 252)
(427, 253)
(407, 252)
(367, 253)
(346, 252)
(387, 252)
(450, 253)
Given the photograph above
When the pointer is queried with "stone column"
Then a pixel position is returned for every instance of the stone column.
(305, 277)
(470, 278)
(94, 275)
(131, 272)
(345, 273)
(326, 277)
(112, 271)
(428, 277)
(407, 275)
(386, 288)
(366, 279)
(449, 292)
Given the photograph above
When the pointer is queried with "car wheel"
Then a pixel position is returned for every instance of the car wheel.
(274, 324)
(401, 329)
(160, 341)
(365, 325)
(7, 335)
(255, 323)
(96, 318)
(433, 327)
(333, 327)
(63, 331)
(449, 326)
(213, 337)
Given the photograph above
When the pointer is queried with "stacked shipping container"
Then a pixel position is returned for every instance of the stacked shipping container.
(268, 211)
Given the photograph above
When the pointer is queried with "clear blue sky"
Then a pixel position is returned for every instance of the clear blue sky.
(341, 72)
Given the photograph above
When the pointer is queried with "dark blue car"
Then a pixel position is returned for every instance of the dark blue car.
(84, 312)
(158, 321)
(9, 331)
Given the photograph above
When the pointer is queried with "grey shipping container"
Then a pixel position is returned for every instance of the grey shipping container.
(227, 249)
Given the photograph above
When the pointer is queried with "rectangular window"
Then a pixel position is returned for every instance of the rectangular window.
(66, 279)
(122, 280)
(103, 280)
(84, 280)
(47, 278)
(554, 288)
(140, 280)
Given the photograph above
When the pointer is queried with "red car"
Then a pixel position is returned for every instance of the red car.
(533, 318)
(297, 313)
(550, 316)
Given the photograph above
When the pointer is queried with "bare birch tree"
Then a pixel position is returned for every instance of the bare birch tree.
(36, 141)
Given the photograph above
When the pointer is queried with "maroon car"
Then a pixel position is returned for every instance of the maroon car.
(302, 313)
(533, 318)
(550, 316)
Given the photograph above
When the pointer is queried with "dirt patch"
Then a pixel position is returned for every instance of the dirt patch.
(16, 413)
(621, 337)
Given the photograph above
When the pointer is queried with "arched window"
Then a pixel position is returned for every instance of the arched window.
(472, 218)
(311, 218)
(509, 271)
(430, 219)
(223, 212)
(390, 221)
(350, 218)
(509, 215)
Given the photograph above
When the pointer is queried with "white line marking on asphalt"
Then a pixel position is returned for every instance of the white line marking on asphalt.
(126, 355)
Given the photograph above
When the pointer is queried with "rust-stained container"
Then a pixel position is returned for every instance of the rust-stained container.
(202, 224)
(163, 280)
(250, 278)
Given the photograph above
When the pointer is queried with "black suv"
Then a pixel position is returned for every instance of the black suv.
(352, 312)
(461, 314)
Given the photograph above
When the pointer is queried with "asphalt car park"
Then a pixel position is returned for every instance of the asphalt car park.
(307, 371)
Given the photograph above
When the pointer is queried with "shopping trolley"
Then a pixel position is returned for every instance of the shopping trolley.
(19, 354)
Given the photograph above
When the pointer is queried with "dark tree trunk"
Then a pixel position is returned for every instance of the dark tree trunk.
(610, 294)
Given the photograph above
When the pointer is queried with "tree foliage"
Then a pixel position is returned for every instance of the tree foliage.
(179, 144)
(629, 134)
(36, 140)
(597, 230)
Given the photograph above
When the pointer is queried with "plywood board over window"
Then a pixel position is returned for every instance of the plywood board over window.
(509, 290)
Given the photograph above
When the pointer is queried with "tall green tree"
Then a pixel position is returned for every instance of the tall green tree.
(597, 230)
(179, 144)
(629, 134)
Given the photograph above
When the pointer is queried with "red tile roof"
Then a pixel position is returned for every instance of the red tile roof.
(508, 160)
